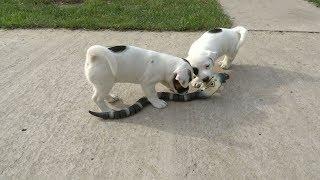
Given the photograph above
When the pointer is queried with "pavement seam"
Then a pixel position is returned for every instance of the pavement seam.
(284, 31)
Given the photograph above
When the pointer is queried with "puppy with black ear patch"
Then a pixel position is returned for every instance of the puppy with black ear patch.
(128, 64)
(212, 45)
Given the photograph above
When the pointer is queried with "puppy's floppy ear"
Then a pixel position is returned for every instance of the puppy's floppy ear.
(181, 77)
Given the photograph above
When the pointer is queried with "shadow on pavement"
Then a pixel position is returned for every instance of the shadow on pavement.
(248, 98)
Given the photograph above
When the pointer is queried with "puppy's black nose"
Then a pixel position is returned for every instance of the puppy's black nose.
(206, 79)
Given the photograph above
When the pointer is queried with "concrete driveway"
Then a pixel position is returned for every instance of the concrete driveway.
(265, 122)
(284, 15)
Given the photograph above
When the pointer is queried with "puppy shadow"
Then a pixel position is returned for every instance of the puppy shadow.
(241, 103)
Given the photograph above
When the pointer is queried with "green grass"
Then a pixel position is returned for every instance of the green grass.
(316, 2)
(177, 15)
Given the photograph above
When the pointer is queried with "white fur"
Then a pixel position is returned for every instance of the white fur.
(210, 46)
(103, 68)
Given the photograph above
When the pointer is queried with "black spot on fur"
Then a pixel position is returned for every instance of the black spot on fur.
(215, 30)
(195, 70)
(117, 49)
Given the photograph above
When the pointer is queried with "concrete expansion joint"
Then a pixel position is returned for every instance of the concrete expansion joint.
(284, 31)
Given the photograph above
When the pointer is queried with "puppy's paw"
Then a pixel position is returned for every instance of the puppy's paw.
(158, 103)
(225, 65)
(113, 98)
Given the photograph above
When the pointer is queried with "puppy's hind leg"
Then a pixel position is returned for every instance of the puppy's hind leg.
(101, 94)
(111, 98)
(226, 62)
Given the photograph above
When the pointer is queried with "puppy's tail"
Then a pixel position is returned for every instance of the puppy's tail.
(98, 54)
(243, 33)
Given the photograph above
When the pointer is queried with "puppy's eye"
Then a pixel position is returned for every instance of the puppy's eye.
(207, 66)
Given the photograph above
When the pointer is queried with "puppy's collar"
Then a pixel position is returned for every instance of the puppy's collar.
(186, 61)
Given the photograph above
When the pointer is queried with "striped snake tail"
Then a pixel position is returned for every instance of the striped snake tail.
(143, 102)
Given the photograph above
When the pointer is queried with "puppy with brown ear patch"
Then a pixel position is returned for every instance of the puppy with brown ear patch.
(128, 64)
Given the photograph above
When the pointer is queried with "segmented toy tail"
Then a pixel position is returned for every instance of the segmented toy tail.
(243, 33)
(126, 112)
(143, 102)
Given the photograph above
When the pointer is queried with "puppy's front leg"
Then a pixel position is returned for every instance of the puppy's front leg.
(151, 94)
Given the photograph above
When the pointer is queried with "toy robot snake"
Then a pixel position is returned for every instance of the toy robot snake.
(205, 91)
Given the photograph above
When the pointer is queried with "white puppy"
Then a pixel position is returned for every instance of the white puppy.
(129, 64)
(212, 45)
